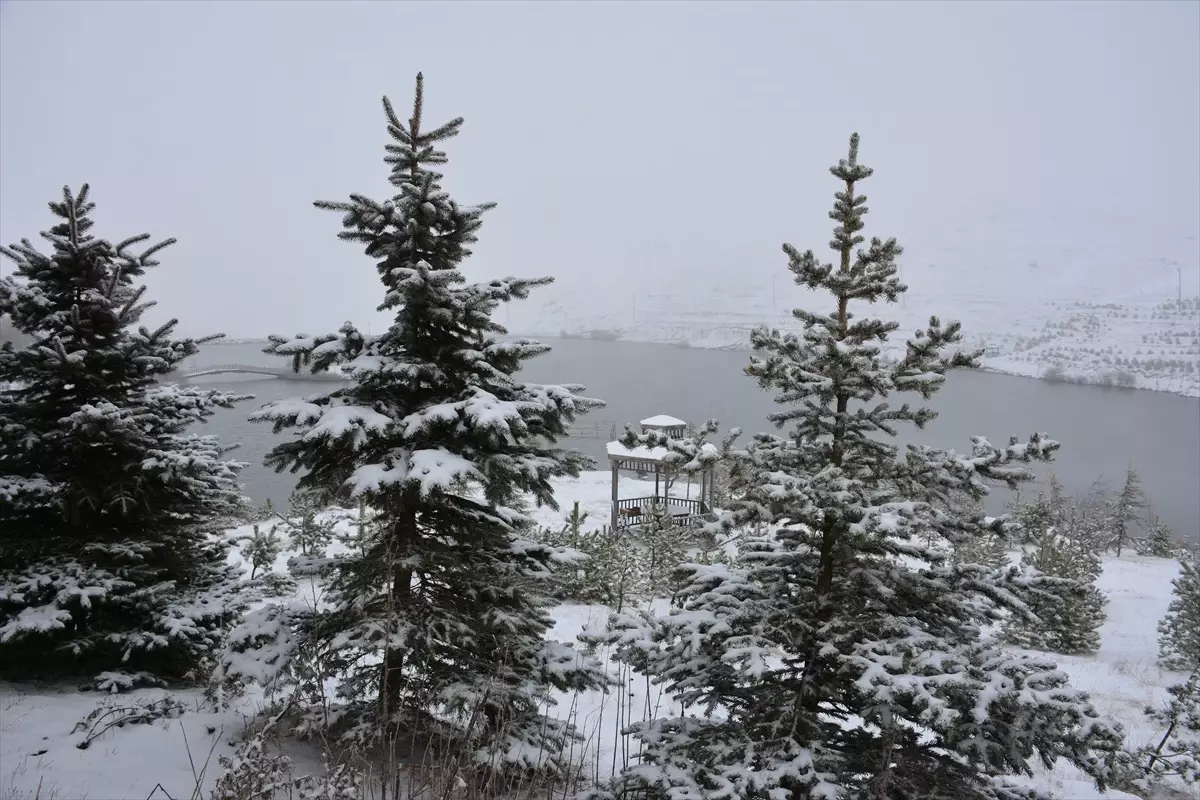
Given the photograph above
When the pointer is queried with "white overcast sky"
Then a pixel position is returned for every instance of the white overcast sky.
(625, 143)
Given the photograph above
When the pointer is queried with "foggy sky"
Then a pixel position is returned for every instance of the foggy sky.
(626, 144)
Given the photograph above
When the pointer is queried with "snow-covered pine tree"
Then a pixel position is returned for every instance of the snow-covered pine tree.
(308, 528)
(571, 582)
(610, 574)
(1179, 631)
(109, 562)
(990, 550)
(261, 547)
(1088, 521)
(443, 608)
(1069, 615)
(1159, 543)
(725, 470)
(1127, 508)
(1035, 517)
(1174, 758)
(839, 658)
(607, 571)
(1056, 495)
(661, 544)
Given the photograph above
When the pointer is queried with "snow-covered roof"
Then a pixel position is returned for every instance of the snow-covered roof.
(618, 450)
(662, 421)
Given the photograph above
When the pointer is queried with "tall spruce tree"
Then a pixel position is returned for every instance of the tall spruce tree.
(1179, 631)
(442, 607)
(840, 657)
(108, 562)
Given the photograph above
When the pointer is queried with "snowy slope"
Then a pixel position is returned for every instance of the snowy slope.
(39, 756)
(1099, 316)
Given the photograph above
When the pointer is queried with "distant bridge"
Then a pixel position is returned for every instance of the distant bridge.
(283, 373)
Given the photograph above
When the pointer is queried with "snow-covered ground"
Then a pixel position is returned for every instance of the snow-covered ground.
(40, 756)
(1138, 328)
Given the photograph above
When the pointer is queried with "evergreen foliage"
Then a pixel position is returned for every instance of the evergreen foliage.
(1035, 518)
(626, 566)
(1070, 613)
(607, 571)
(1085, 521)
(1158, 543)
(989, 550)
(1127, 508)
(1178, 752)
(261, 548)
(662, 549)
(1179, 631)
(840, 657)
(1175, 757)
(310, 530)
(441, 607)
(1088, 522)
(725, 470)
(110, 563)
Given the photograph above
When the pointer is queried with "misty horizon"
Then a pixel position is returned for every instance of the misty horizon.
(648, 147)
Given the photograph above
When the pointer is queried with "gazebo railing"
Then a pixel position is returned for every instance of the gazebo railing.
(638, 510)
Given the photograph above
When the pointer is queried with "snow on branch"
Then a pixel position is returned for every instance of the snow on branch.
(431, 470)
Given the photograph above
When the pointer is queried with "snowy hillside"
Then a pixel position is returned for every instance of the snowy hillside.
(1089, 321)
(46, 751)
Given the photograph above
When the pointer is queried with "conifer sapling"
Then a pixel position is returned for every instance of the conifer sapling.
(1127, 509)
(1070, 610)
(1159, 542)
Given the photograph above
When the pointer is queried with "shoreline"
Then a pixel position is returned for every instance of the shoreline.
(710, 344)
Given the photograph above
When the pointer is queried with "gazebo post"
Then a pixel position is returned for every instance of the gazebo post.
(656, 467)
(616, 474)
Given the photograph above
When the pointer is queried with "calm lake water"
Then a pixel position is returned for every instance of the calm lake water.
(1102, 430)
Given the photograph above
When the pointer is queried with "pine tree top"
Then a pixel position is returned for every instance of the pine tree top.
(421, 227)
(436, 393)
(79, 305)
(835, 384)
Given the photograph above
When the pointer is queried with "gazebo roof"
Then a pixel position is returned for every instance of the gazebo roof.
(619, 452)
(663, 421)
(653, 455)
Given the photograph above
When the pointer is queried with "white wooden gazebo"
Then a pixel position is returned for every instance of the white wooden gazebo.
(629, 511)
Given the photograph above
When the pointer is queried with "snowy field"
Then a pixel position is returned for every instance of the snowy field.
(41, 757)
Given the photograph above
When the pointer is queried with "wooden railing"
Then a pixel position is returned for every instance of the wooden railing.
(600, 429)
(637, 510)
